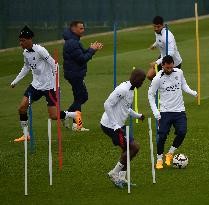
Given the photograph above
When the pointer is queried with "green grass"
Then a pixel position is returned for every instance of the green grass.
(87, 157)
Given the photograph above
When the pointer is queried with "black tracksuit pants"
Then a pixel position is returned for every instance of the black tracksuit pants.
(79, 92)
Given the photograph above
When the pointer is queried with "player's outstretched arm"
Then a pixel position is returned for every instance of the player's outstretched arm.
(20, 76)
(135, 114)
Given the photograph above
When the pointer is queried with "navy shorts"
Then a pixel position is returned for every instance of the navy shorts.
(118, 137)
(177, 119)
(35, 94)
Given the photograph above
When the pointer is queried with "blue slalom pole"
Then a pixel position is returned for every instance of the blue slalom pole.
(166, 34)
(115, 55)
(156, 99)
(32, 143)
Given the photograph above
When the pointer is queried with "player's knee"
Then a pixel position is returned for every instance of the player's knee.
(163, 133)
(162, 138)
(181, 133)
(149, 76)
(22, 109)
(84, 98)
(53, 116)
(135, 148)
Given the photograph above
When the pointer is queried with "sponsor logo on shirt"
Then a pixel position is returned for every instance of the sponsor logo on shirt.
(33, 66)
(172, 88)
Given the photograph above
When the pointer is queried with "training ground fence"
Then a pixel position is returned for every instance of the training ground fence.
(48, 18)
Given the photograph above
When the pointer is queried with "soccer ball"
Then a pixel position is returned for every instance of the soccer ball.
(180, 161)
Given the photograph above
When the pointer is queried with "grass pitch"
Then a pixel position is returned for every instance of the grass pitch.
(87, 157)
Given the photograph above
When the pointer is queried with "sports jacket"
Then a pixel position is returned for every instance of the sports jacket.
(75, 56)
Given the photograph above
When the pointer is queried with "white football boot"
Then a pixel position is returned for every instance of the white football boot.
(65, 123)
(82, 129)
(122, 178)
(114, 177)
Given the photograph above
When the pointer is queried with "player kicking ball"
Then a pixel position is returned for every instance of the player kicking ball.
(170, 82)
(117, 109)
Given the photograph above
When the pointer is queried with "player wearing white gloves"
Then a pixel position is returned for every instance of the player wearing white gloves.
(117, 109)
(170, 82)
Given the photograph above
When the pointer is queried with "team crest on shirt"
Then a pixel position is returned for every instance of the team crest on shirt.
(176, 77)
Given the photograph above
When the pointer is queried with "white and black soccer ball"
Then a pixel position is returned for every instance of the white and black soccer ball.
(180, 161)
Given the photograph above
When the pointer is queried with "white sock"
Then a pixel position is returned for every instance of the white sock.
(23, 124)
(172, 150)
(122, 175)
(118, 167)
(159, 157)
(70, 114)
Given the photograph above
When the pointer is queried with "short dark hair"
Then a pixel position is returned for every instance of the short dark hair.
(158, 20)
(75, 23)
(167, 59)
(136, 75)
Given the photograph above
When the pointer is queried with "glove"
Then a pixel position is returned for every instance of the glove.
(157, 115)
(195, 93)
(12, 84)
(142, 117)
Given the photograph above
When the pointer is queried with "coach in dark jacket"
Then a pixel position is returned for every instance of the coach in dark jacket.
(75, 64)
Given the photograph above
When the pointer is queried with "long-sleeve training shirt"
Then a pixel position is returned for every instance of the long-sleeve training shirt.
(172, 48)
(117, 106)
(170, 88)
(42, 65)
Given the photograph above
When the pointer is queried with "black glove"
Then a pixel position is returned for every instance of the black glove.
(142, 117)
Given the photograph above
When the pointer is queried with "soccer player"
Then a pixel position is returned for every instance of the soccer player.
(160, 43)
(75, 66)
(42, 65)
(117, 108)
(170, 82)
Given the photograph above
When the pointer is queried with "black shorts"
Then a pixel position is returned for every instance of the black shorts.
(50, 95)
(118, 138)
